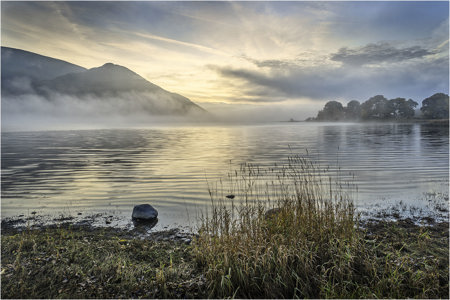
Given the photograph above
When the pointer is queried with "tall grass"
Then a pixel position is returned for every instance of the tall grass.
(309, 247)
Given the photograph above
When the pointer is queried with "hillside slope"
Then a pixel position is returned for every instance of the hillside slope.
(31, 82)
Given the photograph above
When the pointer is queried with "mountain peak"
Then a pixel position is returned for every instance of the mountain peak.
(110, 65)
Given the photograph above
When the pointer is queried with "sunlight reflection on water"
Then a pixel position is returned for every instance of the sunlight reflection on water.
(110, 171)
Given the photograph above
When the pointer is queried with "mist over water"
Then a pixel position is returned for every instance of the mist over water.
(102, 97)
(33, 112)
(109, 171)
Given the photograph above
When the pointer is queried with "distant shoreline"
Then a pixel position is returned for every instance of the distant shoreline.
(406, 121)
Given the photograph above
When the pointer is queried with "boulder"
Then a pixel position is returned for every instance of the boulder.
(144, 212)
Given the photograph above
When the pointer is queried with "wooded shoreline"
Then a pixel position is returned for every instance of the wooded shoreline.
(379, 108)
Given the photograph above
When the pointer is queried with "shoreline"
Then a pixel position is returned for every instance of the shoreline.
(10, 226)
(179, 234)
(437, 122)
(437, 213)
(13, 226)
(82, 261)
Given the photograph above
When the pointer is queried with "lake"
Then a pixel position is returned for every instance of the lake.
(85, 172)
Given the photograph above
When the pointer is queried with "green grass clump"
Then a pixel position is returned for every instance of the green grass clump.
(86, 263)
(409, 261)
(312, 248)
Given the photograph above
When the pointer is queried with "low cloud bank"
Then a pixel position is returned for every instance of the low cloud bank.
(35, 112)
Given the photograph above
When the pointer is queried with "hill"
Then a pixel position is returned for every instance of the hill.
(21, 68)
(31, 81)
(114, 82)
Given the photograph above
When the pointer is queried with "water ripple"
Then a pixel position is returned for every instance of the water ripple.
(98, 170)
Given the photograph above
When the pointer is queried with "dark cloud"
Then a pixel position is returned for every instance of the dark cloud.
(306, 58)
(313, 83)
(271, 63)
(378, 53)
(411, 79)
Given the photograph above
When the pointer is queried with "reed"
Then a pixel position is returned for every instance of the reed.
(310, 246)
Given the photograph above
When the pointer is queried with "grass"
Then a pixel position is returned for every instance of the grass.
(85, 263)
(411, 261)
(312, 246)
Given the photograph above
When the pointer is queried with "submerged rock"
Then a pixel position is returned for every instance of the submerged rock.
(144, 212)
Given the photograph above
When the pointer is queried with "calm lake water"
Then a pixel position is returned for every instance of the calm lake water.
(109, 171)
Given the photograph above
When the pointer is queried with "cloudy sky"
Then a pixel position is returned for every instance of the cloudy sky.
(271, 59)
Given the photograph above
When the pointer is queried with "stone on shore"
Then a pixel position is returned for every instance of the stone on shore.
(144, 212)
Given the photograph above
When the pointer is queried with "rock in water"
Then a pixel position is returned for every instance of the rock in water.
(144, 212)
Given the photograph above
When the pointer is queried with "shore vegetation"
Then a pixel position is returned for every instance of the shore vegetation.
(311, 244)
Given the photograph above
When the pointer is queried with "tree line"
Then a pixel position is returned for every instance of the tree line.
(380, 108)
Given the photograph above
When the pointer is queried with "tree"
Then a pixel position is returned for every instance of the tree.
(408, 110)
(332, 111)
(402, 109)
(435, 107)
(377, 108)
(353, 110)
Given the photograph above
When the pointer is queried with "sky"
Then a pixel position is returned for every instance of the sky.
(270, 60)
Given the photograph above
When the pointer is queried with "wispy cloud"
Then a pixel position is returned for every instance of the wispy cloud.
(180, 43)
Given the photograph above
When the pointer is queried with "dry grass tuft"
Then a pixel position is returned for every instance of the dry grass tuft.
(309, 247)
